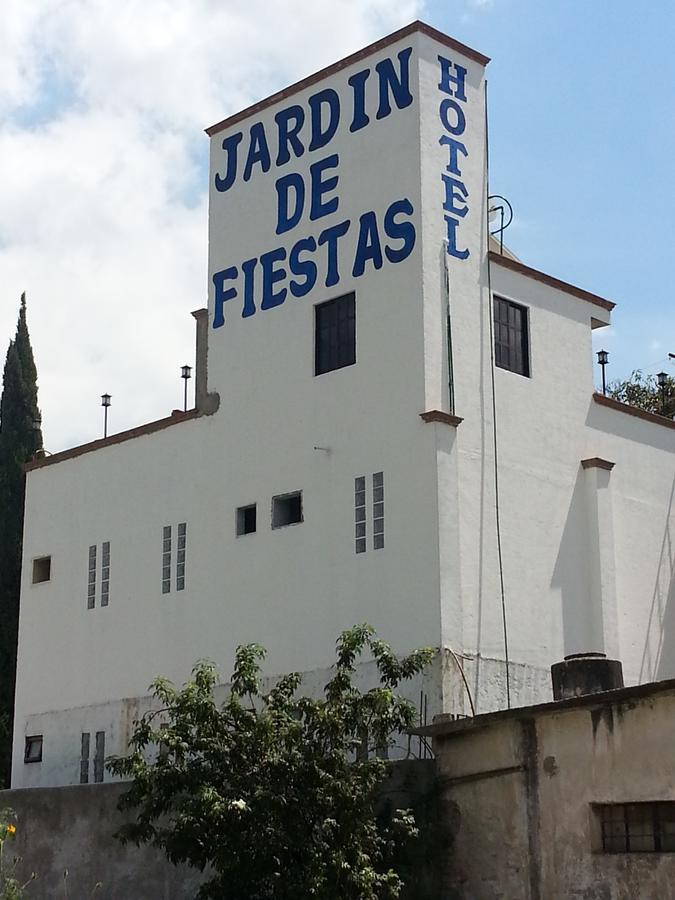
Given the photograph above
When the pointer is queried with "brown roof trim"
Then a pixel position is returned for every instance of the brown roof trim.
(516, 266)
(633, 411)
(416, 26)
(443, 726)
(597, 462)
(174, 419)
(435, 415)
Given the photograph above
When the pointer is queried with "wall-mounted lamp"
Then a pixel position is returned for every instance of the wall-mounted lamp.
(185, 374)
(603, 359)
(105, 403)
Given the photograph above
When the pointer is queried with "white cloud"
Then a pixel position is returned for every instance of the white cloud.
(102, 108)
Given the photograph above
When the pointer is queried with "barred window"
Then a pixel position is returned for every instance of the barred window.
(180, 557)
(360, 514)
(637, 827)
(378, 511)
(166, 559)
(91, 585)
(105, 573)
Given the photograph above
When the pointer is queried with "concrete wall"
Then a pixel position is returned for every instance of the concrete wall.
(518, 789)
(71, 828)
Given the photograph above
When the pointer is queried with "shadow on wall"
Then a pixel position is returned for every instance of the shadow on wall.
(571, 574)
(657, 664)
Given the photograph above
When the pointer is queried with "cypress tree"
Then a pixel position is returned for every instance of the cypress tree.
(20, 439)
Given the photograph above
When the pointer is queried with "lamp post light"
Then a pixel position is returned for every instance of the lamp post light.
(105, 403)
(603, 359)
(662, 379)
(36, 425)
(185, 374)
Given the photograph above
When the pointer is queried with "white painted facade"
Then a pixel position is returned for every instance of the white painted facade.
(587, 552)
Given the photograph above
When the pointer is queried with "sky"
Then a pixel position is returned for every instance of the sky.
(104, 168)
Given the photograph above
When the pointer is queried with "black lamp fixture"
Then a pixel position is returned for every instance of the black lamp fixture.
(105, 403)
(603, 359)
(662, 379)
(185, 374)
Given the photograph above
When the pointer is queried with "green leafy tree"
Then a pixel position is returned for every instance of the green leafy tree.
(273, 794)
(20, 439)
(644, 392)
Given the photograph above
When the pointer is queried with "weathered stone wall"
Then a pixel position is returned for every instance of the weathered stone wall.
(70, 829)
(518, 790)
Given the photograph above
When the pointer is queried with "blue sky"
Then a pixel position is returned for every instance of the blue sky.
(103, 160)
(582, 142)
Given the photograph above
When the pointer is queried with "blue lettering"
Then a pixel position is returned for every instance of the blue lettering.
(448, 79)
(247, 269)
(455, 191)
(320, 137)
(305, 268)
(258, 151)
(399, 231)
(222, 296)
(358, 85)
(270, 276)
(368, 245)
(452, 239)
(289, 135)
(330, 237)
(399, 85)
(230, 145)
(320, 187)
(286, 220)
(460, 125)
(453, 147)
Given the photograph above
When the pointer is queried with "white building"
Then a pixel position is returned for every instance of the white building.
(355, 455)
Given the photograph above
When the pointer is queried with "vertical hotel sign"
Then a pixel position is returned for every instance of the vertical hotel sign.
(452, 114)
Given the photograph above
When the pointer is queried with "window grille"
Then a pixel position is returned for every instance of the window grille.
(637, 827)
(166, 560)
(91, 585)
(105, 573)
(180, 557)
(360, 514)
(378, 511)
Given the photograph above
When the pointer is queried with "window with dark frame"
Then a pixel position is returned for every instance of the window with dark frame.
(360, 514)
(99, 757)
(84, 758)
(287, 509)
(512, 349)
(42, 569)
(246, 519)
(335, 334)
(378, 511)
(33, 749)
(637, 827)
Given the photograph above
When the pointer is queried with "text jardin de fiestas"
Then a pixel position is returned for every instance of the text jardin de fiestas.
(393, 238)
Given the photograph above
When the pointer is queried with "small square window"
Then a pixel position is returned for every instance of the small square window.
(246, 519)
(286, 509)
(335, 334)
(42, 569)
(33, 749)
